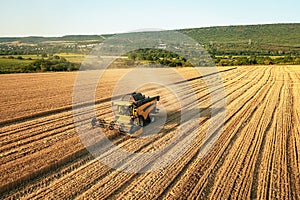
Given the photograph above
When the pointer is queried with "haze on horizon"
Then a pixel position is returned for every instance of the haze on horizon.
(58, 18)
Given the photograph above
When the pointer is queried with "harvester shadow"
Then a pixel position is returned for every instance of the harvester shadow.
(175, 119)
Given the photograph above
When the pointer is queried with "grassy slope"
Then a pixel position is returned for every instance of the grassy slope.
(12, 65)
(264, 38)
(35, 39)
(273, 34)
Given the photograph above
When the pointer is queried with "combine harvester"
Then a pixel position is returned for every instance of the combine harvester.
(132, 113)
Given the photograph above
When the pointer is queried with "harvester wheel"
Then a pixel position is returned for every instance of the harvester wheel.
(94, 122)
(148, 120)
(132, 129)
(141, 121)
(111, 127)
(135, 131)
(121, 128)
(102, 123)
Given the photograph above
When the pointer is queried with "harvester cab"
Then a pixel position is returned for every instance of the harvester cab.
(131, 113)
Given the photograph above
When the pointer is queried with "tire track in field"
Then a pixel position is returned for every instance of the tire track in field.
(291, 149)
(275, 191)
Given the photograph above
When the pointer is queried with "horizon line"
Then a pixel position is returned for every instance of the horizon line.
(138, 30)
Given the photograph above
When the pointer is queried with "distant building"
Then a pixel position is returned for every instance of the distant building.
(162, 46)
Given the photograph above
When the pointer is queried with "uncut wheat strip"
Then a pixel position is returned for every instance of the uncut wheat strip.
(47, 97)
(13, 132)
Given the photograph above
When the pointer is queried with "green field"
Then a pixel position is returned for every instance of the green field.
(15, 64)
(72, 57)
(12, 65)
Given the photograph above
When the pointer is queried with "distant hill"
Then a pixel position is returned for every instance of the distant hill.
(273, 34)
(267, 39)
(67, 38)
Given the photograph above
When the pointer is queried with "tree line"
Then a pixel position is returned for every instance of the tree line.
(53, 63)
(256, 60)
(160, 56)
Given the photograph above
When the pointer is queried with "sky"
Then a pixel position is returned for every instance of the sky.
(69, 17)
